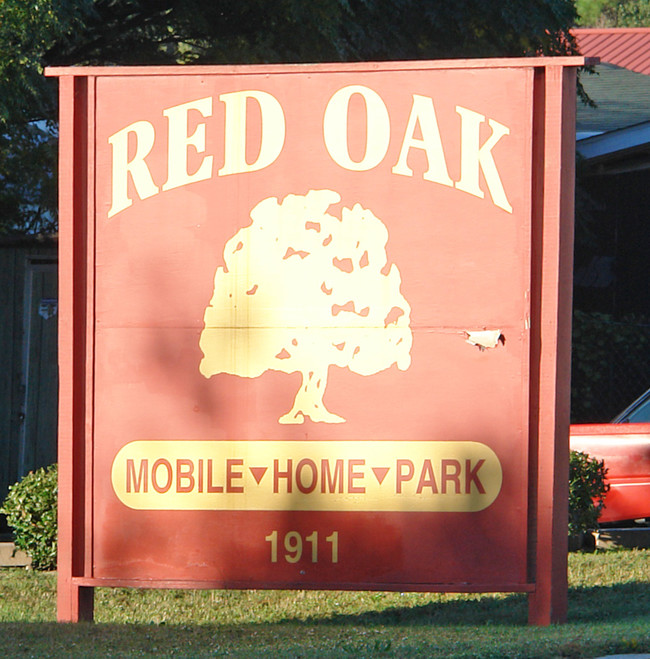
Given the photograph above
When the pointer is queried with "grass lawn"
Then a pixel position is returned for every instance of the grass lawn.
(609, 612)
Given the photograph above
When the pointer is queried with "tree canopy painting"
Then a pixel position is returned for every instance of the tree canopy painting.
(302, 290)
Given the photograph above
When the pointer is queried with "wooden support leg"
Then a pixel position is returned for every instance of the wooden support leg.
(74, 603)
(551, 356)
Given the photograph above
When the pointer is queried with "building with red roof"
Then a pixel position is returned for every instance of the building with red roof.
(612, 264)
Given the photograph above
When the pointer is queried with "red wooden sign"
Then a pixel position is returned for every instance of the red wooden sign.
(316, 327)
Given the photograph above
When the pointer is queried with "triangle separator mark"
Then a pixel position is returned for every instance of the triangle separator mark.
(258, 473)
(380, 473)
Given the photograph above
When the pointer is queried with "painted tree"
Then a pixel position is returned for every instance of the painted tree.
(303, 290)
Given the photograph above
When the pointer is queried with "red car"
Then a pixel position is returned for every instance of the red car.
(624, 445)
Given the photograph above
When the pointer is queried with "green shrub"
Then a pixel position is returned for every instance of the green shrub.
(587, 490)
(31, 509)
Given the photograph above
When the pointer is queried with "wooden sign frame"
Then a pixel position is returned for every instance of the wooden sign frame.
(551, 121)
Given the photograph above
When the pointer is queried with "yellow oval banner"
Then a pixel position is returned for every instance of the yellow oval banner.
(320, 476)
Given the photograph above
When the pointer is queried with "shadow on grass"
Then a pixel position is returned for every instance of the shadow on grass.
(586, 604)
(589, 604)
(609, 603)
(436, 629)
(507, 610)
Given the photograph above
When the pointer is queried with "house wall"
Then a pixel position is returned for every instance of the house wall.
(611, 333)
(28, 358)
(612, 241)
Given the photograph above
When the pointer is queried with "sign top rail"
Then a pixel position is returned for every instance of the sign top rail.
(239, 69)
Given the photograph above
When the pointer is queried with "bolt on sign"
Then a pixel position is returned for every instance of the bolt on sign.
(314, 327)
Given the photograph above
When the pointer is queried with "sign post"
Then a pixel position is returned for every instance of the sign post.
(315, 328)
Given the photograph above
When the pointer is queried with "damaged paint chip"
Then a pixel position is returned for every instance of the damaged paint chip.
(485, 339)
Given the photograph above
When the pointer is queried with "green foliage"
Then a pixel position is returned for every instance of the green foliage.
(28, 109)
(587, 490)
(31, 509)
(634, 14)
(241, 31)
(27, 179)
(613, 13)
(27, 31)
(589, 12)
